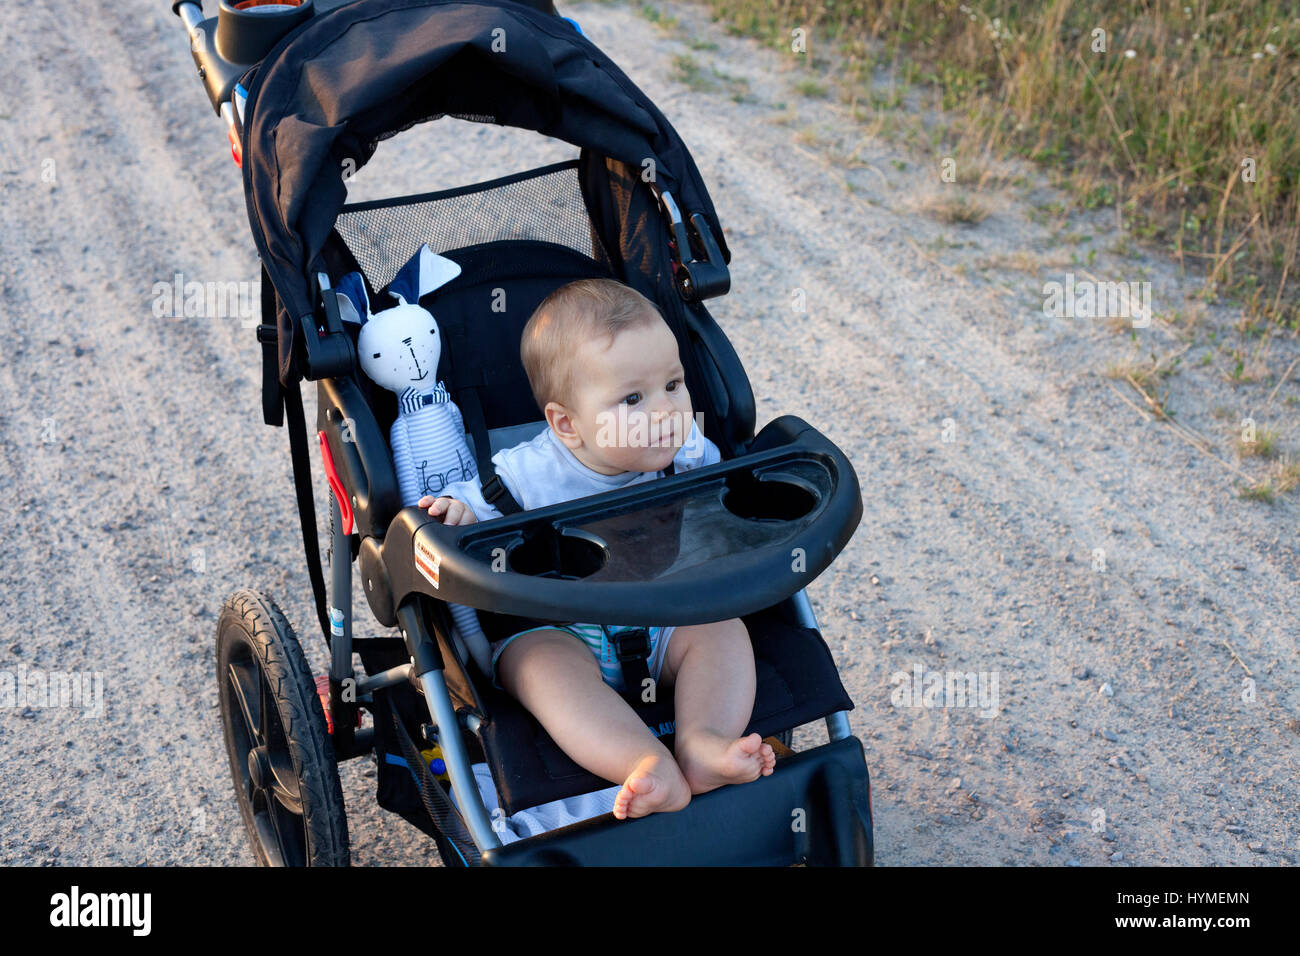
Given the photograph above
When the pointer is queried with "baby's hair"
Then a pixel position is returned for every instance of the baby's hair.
(572, 314)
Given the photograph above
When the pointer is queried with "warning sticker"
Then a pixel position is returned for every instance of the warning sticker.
(427, 561)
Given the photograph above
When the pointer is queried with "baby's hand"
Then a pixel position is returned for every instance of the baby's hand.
(449, 510)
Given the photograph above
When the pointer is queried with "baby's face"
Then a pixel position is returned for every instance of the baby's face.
(631, 410)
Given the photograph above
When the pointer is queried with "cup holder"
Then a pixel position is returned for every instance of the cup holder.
(248, 29)
(773, 499)
(569, 554)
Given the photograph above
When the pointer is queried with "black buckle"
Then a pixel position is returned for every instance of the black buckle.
(493, 488)
(267, 333)
(633, 645)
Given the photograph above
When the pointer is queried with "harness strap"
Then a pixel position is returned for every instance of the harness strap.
(632, 648)
(276, 400)
(268, 333)
(465, 390)
(306, 505)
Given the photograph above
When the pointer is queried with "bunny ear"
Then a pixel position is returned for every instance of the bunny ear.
(425, 272)
(354, 303)
(435, 270)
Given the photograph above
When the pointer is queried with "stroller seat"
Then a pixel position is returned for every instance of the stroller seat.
(796, 678)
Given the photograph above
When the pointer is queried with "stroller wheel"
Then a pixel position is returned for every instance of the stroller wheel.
(281, 757)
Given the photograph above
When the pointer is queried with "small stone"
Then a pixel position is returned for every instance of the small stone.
(1073, 862)
(956, 783)
(1233, 828)
(1110, 735)
(1108, 836)
(1256, 848)
(1081, 673)
(1116, 857)
(1106, 691)
(1113, 761)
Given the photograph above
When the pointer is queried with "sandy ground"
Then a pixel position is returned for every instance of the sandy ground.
(1023, 522)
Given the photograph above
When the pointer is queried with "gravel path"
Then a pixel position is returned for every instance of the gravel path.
(1023, 522)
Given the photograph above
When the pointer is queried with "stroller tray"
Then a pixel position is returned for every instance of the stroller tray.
(703, 545)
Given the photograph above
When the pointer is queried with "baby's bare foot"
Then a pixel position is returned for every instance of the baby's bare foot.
(654, 785)
(709, 760)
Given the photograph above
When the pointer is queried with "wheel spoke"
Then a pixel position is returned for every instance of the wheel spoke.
(268, 833)
(247, 691)
(290, 832)
(268, 708)
(283, 785)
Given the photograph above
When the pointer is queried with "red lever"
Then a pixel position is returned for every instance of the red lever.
(345, 504)
(236, 153)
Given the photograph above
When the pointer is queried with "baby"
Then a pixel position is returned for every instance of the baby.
(604, 368)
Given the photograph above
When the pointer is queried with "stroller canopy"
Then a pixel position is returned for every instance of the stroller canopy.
(356, 75)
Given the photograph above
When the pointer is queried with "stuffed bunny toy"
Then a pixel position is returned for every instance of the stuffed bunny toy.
(399, 349)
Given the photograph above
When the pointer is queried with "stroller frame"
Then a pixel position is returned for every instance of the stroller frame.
(826, 788)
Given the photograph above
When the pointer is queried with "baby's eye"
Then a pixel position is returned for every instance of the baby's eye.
(632, 399)
(672, 386)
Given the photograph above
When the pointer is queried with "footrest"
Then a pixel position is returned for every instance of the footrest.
(814, 809)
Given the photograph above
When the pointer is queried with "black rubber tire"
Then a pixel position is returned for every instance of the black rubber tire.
(296, 818)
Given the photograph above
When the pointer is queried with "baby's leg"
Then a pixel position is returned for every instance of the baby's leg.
(557, 678)
(711, 669)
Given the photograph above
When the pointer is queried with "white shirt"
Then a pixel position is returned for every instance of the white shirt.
(544, 471)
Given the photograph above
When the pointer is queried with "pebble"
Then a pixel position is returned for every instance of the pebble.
(1256, 848)
(1110, 735)
(1108, 836)
(1233, 828)
(1113, 761)
(1073, 862)
(1106, 691)
(1116, 857)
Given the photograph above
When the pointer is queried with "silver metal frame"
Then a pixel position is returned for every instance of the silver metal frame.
(473, 812)
(837, 724)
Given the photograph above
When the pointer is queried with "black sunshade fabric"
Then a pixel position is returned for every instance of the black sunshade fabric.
(348, 78)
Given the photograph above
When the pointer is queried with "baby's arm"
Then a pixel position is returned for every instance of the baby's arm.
(460, 502)
(452, 511)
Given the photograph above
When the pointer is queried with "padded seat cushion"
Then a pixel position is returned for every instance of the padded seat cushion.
(797, 683)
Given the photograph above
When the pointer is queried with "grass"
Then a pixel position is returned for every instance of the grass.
(954, 208)
(1145, 377)
(1264, 445)
(687, 70)
(1284, 478)
(1184, 117)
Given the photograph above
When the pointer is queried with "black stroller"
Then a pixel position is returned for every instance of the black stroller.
(308, 88)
